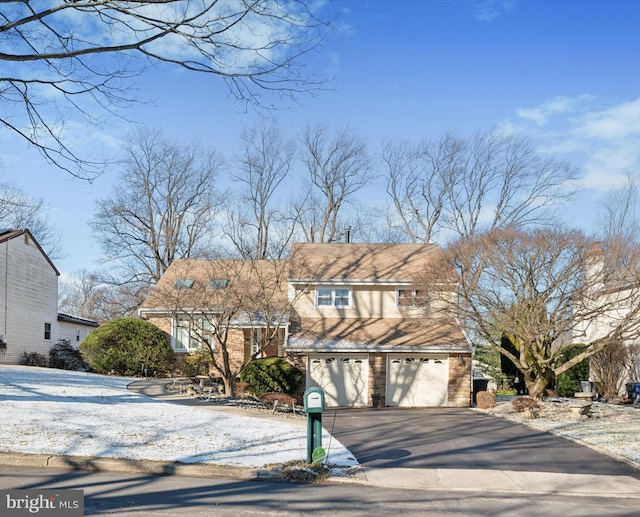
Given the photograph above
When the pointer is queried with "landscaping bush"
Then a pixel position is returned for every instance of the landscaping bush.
(568, 383)
(65, 357)
(197, 363)
(271, 374)
(33, 359)
(128, 347)
(283, 399)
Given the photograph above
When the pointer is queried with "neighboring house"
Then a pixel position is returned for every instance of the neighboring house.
(611, 312)
(367, 336)
(241, 301)
(348, 314)
(74, 329)
(30, 321)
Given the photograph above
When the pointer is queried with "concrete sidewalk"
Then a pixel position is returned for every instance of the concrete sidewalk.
(497, 481)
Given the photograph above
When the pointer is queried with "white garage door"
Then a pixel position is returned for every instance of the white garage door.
(417, 380)
(344, 378)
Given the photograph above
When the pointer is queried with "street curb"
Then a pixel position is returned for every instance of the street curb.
(158, 468)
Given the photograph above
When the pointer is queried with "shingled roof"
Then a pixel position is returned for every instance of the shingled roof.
(355, 262)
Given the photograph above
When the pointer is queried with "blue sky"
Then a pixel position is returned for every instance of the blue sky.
(564, 73)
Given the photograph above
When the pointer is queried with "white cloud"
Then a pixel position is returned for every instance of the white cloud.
(621, 121)
(602, 141)
(540, 115)
(489, 10)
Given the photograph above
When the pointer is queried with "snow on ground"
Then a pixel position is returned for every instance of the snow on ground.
(49, 411)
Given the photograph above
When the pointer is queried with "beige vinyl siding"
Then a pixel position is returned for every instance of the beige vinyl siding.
(367, 301)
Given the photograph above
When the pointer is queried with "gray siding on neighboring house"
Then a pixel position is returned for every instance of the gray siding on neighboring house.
(73, 329)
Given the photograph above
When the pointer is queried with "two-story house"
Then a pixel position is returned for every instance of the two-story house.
(29, 319)
(367, 335)
(349, 314)
(608, 312)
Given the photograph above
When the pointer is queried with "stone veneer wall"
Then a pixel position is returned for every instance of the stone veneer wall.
(377, 379)
(460, 391)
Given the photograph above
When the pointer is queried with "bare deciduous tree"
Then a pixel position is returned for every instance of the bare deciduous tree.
(452, 187)
(163, 209)
(223, 305)
(258, 229)
(19, 210)
(338, 168)
(618, 216)
(86, 296)
(613, 365)
(544, 289)
(617, 222)
(66, 58)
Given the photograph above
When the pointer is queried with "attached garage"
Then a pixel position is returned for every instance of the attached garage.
(417, 380)
(344, 378)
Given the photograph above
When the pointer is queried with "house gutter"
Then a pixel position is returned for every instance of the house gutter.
(368, 348)
(6, 288)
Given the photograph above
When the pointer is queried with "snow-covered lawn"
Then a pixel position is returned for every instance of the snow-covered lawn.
(48, 411)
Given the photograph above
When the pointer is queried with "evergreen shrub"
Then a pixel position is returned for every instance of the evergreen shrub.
(272, 374)
(65, 357)
(128, 347)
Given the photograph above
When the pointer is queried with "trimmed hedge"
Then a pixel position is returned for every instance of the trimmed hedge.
(271, 374)
(127, 346)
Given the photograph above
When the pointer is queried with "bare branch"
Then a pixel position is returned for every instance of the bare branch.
(543, 289)
(162, 210)
(77, 58)
(455, 187)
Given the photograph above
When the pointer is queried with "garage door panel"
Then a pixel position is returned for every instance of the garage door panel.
(344, 378)
(417, 380)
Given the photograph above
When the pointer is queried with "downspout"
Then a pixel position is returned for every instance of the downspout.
(6, 287)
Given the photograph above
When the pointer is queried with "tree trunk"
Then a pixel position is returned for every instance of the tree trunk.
(227, 380)
(537, 385)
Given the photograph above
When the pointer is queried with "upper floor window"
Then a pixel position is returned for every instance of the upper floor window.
(333, 297)
(47, 330)
(411, 298)
(184, 283)
(219, 283)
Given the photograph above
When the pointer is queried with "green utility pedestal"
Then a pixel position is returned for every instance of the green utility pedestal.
(314, 406)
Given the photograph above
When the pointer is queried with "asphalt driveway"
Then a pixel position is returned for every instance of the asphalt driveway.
(450, 438)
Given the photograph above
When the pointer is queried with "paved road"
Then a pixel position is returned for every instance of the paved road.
(135, 495)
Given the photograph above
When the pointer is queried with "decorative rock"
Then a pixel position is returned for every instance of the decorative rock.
(486, 399)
